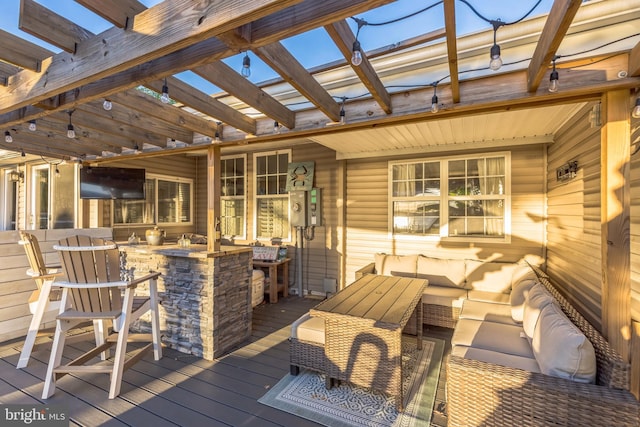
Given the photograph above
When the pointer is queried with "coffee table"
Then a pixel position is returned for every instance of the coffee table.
(363, 331)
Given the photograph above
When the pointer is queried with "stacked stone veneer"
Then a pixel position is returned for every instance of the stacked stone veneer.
(205, 298)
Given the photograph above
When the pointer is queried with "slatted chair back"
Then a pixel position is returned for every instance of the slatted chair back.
(34, 255)
(84, 265)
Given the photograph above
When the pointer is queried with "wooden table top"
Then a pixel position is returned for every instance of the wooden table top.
(385, 300)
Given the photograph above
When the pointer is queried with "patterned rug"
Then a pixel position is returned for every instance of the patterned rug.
(346, 405)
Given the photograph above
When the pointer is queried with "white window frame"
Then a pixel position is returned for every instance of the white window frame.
(168, 178)
(256, 196)
(444, 199)
(243, 197)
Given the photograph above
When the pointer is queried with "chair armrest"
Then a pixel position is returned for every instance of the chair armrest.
(138, 280)
(367, 269)
(51, 273)
(526, 398)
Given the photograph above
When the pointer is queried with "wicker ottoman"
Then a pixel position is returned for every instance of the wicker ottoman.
(306, 344)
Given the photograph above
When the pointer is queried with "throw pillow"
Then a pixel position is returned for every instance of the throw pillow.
(518, 296)
(561, 349)
(442, 271)
(396, 265)
(535, 301)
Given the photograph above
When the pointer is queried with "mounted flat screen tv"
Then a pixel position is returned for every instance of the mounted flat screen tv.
(111, 183)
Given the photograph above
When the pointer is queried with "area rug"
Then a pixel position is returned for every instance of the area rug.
(346, 405)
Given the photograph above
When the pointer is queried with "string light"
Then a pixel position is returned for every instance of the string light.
(22, 153)
(164, 98)
(71, 133)
(7, 137)
(553, 77)
(343, 115)
(32, 126)
(246, 66)
(107, 105)
(217, 137)
(356, 55)
(496, 61)
(276, 127)
(635, 113)
(136, 149)
(434, 99)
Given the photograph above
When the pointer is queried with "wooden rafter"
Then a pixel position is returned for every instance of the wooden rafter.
(284, 63)
(634, 61)
(158, 31)
(452, 49)
(22, 53)
(118, 12)
(229, 80)
(555, 28)
(41, 22)
(343, 37)
(200, 101)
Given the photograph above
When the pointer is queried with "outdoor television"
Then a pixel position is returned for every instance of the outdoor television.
(111, 183)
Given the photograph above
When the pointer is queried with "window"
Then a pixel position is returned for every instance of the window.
(167, 201)
(272, 199)
(461, 197)
(232, 201)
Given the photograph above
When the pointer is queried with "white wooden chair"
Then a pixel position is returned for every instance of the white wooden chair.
(93, 291)
(42, 302)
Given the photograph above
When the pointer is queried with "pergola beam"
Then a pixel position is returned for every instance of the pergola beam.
(555, 28)
(118, 12)
(452, 48)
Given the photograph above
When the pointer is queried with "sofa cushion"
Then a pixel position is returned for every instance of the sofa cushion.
(561, 349)
(518, 296)
(440, 295)
(488, 296)
(442, 271)
(489, 311)
(535, 301)
(498, 337)
(396, 265)
(517, 362)
(308, 328)
(490, 276)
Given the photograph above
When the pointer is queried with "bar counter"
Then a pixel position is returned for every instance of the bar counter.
(205, 297)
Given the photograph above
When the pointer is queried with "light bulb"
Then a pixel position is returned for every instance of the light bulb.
(164, 98)
(22, 153)
(246, 66)
(71, 133)
(635, 113)
(343, 116)
(32, 125)
(7, 137)
(276, 127)
(57, 171)
(434, 104)
(553, 80)
(356, 57)
(107, 105)
(496, 61)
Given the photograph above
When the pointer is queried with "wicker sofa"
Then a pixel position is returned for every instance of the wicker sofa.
(486, 388)
(452, 281)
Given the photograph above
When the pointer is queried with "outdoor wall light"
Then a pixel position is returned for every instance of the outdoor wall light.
(246, 66)
(567, 171)
(635, 113)
(164, 98)
(7, 137)
(15, 176)
(32, 125)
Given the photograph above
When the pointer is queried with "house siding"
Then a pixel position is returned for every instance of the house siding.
(368, 215)
(574, 236)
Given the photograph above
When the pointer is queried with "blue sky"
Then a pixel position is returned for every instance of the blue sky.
(315, 47)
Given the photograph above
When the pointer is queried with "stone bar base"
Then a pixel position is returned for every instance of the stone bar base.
(205, 297)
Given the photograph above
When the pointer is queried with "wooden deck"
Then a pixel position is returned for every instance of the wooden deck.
(181, 389)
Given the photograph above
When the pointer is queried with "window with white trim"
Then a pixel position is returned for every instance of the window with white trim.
(271, 196)
(457, 197)
(233, 198)
(168, 200)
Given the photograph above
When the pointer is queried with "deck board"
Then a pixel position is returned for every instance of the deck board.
(181, 389)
